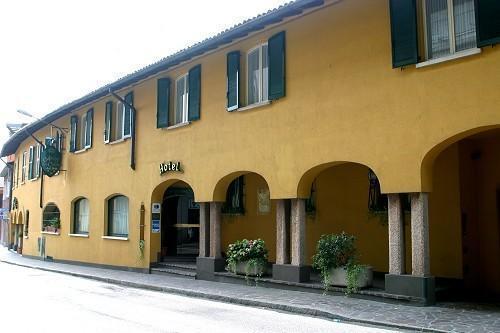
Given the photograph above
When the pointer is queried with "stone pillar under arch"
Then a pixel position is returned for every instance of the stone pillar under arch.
(420, 284)
(297, 270)
(207, 266)
(204, 230)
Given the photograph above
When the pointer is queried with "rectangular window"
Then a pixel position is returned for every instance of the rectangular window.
(450, 26)
(82, 132)
(31, 163)
(181, 100)
(24, 169)
(118, 121)
(38, 151)
(257, 75)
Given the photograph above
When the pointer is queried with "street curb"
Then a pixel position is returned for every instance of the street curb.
(233, 300)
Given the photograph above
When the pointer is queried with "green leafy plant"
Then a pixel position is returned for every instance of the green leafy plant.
(336, 251)
(253, 252)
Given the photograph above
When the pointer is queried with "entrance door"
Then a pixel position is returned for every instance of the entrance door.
(180, 223)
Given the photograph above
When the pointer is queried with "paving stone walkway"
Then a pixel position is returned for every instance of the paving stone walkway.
(444, 317)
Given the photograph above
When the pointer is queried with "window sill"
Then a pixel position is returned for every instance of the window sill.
(51, 233)
(79, 235)
(253, 106)
(457, 55)
(118, 141)
(115, 238)
(26, 237)
(178, 125)
(81, 150)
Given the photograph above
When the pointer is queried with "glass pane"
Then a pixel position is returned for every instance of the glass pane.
(82, 215)
(118, 221)
(253, 77)
(179, 100)
(265, 78)
(438, 33)
(465, 24)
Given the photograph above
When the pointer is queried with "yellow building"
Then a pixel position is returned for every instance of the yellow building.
(374, 117)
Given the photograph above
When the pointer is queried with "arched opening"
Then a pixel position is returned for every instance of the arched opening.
(247, 210)
(18, 233)
(346, 197)
(117, 216)
(80, 216)
(180, 222)
(464, 214)
(51, 218)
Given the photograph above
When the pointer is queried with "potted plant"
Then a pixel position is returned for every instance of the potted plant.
(56, 224)
(247, 257)
(336, 260)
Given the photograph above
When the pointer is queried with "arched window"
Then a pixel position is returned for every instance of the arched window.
(118, 216)
(81, 216)
(51, 220)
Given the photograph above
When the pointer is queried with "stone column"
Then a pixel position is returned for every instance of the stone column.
(204, 230)
(298, 237)
(282, 253)
(396, 235)
(420, 235)
(215, 226)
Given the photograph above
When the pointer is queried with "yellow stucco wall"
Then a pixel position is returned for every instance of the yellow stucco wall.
(344, 103)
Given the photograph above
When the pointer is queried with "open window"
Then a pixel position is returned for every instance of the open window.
(51, 219)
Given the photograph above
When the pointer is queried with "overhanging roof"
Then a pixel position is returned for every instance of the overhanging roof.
(241, 30)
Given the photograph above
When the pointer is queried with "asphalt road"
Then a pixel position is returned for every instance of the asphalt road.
(37, 301)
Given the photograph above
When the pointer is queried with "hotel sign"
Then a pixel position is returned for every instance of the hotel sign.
(170, 167)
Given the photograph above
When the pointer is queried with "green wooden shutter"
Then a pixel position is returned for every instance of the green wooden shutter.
(88, 128)
(276, 73)
(127, 123)
(30, 164)
(194, 98)
(107, 121)
(163, 102)
(487, 22)
(233, 77)
(74, 133)
(404, 32)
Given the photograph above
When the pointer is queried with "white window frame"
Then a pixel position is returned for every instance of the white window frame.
(86, 144)
(185, 102)
(23, 170)
(31, 162)
(38, 150)
(119, 121)
(261, 77)
(451, 33)
(123, 122)
(82, 144)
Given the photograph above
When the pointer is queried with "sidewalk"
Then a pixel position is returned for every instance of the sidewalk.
(445, 317)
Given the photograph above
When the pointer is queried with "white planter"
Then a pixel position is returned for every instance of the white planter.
(253, 270)
(338, 277)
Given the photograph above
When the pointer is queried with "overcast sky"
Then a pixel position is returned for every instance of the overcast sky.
(52, 52)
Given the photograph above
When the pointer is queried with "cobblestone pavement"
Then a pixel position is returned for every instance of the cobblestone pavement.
(444, 317)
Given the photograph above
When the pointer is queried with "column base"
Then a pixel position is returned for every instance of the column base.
(207, 266)
(409, 285)
(291, 273)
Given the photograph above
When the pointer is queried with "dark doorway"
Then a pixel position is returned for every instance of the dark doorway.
(180, 221)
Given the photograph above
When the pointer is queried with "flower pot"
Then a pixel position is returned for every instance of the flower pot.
(338, 277)
(253, 270)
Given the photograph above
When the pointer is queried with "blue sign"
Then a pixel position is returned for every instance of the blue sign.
(155, 226)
